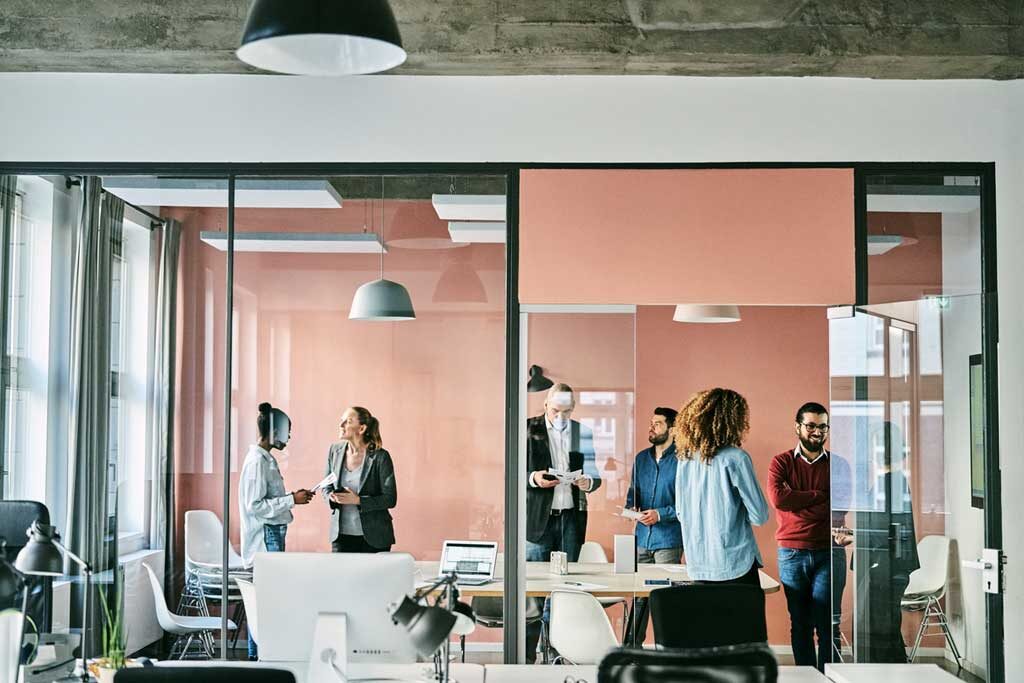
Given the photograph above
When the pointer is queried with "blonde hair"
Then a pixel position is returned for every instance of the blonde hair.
(712, 420)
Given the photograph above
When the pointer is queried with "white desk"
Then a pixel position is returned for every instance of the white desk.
(463, 673)
(888, 673)
(526, 673)
(540, 581)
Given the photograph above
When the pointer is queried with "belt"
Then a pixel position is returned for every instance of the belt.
(556, 513)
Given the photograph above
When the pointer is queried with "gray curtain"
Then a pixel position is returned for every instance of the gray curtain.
(91, 528)
(161, 454)
(8, 187)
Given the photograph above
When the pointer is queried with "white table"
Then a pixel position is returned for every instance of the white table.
(464, 673)
(888, 673)
(526, 673)
(540, 581)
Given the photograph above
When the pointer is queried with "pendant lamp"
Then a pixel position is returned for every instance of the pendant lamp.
(704, 313)
(382, 300)
(321, 37)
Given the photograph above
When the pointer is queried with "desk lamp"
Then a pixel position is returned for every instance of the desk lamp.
(43, 556)
(430, 625)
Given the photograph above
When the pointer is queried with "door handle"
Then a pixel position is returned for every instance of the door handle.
(976, 564)
(990, 564)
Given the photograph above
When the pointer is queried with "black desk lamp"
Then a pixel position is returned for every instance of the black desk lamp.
(44, 555)
(430, 625)
(537, 381)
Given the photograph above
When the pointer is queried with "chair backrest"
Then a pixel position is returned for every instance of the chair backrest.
(580, 629)
(204, 674)
(750, 663)
(592, 551)
(930, 578)
(248, 592)
(708, 615)
(203, 537)
(16, 516)
(163, 615)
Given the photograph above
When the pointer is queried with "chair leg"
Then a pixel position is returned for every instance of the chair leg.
(920, 632)
(949, 638)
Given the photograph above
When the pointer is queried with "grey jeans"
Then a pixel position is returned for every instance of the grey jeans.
(640, 616)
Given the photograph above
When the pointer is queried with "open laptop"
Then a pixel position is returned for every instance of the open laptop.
(473, 561)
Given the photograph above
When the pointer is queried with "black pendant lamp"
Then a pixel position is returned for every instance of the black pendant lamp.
(537, 381)
(321, 37)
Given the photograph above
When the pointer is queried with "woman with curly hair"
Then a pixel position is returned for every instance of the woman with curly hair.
(717, 494)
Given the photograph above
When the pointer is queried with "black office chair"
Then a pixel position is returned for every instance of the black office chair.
(749, 663)
(204, 674)
(16, 516)
(708, 615)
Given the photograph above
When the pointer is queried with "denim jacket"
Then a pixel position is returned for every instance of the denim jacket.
(717, 503)
(654, 488)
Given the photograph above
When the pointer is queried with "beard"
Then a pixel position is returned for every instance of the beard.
(812, 446)
(658, 439)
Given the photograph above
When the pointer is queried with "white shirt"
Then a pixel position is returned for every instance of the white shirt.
(351, 524)
(799, 451)
(558, 441)
(262, 500)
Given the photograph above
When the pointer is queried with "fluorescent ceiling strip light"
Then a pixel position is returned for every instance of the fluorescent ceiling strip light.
(213, 192)
(469, 207)
(923, 203)
(298, 242)
(489, 232)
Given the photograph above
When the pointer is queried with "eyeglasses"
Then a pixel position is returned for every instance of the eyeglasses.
(811, 427)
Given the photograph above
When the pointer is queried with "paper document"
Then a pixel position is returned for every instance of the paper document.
(630, 514)
(565, 477)
(681, 568)
(580, 585)
(330, 480)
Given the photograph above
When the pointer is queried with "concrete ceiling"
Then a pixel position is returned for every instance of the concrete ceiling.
(867, 38)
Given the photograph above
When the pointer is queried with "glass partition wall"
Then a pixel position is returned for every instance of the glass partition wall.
(907, 424)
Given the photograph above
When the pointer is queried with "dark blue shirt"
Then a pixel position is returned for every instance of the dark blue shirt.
(654, 488)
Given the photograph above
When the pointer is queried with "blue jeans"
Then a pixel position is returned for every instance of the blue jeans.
(560, 533)
(805, 577)
(273, 538)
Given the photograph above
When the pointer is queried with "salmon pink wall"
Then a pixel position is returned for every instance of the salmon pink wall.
(906, 273)
(630, 236)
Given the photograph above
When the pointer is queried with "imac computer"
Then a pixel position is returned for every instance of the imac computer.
(293, 588)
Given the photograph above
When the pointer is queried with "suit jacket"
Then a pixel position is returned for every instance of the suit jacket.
(538, 457)
(378, 493)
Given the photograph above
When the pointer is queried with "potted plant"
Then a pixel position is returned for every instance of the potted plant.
(112, 646)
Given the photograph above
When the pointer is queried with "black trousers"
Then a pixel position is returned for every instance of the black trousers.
(354, 544)
(751, 578)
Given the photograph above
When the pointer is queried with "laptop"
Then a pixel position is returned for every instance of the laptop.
(472, 561)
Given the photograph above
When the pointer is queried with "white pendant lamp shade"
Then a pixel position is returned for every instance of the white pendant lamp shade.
(705, 313)
(321, 37)
(382, 300)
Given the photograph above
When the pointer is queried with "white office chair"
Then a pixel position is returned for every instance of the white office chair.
(592, 551)
(248, 591)
(188, 630)
(580, 630)
(203, 583)
(926, 588)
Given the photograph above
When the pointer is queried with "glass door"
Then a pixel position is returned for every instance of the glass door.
(904, 586)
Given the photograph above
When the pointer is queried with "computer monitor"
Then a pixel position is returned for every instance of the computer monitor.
(473, 561)
(293, 588)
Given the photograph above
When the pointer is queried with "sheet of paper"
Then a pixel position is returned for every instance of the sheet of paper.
(681, 568)
(329, 480)
(630, 514)
(565, 477)
(580, 585)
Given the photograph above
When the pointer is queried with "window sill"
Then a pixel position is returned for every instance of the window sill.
(130, 542)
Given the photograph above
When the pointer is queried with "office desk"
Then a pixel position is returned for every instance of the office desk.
(888, 673)
(464, 673)
(526, 673)
(540, 582)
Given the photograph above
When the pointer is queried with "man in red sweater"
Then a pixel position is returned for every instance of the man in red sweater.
(798, 487)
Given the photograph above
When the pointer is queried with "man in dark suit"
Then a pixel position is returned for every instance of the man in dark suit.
(554, 508)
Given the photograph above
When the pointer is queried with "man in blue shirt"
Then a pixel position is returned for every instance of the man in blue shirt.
(652, 493)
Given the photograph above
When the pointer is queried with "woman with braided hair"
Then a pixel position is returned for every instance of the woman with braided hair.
(717, 494)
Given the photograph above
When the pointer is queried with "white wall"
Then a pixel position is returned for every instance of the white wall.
(96, 117)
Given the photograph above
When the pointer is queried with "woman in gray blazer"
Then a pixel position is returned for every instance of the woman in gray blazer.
(365, 490)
